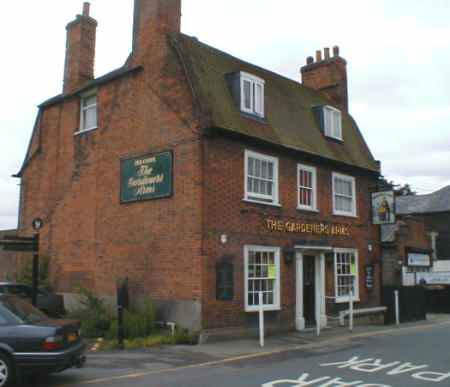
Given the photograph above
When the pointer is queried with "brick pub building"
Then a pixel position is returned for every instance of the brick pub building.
(204, 179)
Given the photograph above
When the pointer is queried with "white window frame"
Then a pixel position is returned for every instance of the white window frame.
(329, 130)
(313, 171)
(343, 299)
(260, 198)
(277, 296)
(257, 107)
(85, 108)
(351, 179)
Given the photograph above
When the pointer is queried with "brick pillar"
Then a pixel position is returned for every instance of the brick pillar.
(328, 74)
(80, 51)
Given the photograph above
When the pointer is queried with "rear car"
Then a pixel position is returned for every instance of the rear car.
(51, 304)
(32, 342)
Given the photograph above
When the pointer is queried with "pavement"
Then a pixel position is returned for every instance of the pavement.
(164, 366)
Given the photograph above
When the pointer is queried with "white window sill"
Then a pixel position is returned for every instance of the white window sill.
(261, 202)
(342, 300)
(254, 309)
(85, 131)
(345, 214)
(308, 209)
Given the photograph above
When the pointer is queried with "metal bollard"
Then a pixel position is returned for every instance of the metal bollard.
(397, 308)
(261, 320)
(350, 316)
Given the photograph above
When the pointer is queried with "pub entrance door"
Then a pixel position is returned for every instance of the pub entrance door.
(309, 290)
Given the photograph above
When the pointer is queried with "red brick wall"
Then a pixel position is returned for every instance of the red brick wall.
(244, 223)
(74, 185)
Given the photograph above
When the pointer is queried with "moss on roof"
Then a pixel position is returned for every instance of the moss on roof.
(290, 119)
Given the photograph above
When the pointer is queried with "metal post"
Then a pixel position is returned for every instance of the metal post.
(261, 320)
(120, 307)
(350, 316)
(35, 274)
(318, 301)
(397, 308)
(120, 329)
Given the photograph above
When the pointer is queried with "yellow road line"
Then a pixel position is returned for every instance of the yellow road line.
(257, 355)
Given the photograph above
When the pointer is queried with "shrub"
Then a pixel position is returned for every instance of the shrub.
(137, 323)
(93, 314)
(25, 275)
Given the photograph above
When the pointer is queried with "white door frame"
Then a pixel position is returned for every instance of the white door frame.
(319, 257)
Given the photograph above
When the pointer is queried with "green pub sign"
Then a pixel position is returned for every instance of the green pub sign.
(146, 177)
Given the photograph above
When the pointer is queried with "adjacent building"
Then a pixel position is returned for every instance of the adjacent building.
(205, 180)
(417, 249)
(8, 260)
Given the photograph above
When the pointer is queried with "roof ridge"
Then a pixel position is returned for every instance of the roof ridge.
(224, 53)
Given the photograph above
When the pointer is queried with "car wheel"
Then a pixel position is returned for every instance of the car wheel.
(6, 372)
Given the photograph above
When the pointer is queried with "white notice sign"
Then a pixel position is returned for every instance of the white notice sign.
(416, 259)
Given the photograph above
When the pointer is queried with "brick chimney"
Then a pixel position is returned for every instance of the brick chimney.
(154, 17)
(328, 74)
(80, 51)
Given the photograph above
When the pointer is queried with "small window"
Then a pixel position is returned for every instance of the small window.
(252, 94)
(261, 178)
(262, 274)
(88, 119)
(346, 274)
(332, 122)
(307, 188)
(344, 195)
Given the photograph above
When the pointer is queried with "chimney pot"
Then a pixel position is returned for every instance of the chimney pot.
(328, 76)
(86, 9)
(318, 56)
(336, 51)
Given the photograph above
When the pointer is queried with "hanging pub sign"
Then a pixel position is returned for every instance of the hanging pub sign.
(146, 177)
(383, 207)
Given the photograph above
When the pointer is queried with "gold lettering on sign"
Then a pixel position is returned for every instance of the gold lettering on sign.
(308, 228)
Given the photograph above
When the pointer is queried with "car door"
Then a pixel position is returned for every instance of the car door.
(7, 336)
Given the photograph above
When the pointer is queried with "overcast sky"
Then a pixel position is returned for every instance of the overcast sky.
(398, 55)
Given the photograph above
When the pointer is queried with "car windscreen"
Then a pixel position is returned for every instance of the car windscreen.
(26, 312)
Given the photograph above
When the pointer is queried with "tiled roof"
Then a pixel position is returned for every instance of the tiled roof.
(290, 120)
(438, 201)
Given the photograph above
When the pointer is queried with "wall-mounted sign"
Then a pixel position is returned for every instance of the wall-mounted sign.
(370, 276)
(419, 260)
(383, 207)
(147, 177)
(308, 228)
(224, 281)
(442, 278)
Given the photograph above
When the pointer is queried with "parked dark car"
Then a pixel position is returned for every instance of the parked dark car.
(50, 304)
(32, 342)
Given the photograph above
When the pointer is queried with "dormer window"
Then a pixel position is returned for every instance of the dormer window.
(332, 120)
(252, 94)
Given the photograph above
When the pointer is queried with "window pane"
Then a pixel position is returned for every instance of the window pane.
(88, 101)
(260, 177)
(259, 99)
(263, 281)
(247, 94)
(90, 118)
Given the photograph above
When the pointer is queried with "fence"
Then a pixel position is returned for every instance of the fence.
(412, 303)
(438, 301)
